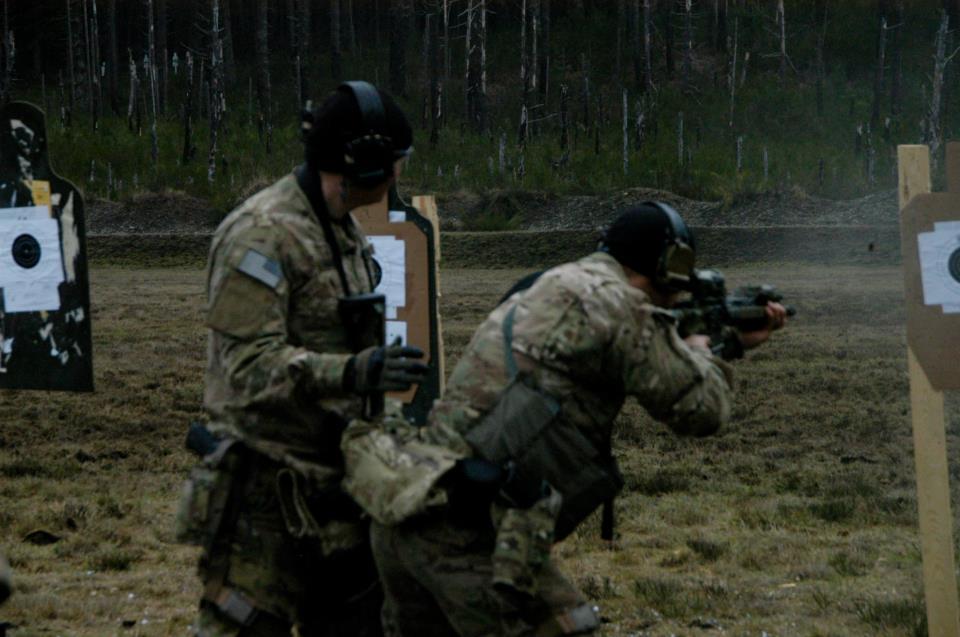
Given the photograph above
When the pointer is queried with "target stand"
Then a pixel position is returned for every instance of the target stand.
(45, 337)
(930, 245)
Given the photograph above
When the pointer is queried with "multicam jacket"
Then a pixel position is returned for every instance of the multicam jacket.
(276, 357)
(277, 348)
(589, 339)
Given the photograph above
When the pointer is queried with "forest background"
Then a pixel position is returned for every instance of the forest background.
(710, 99)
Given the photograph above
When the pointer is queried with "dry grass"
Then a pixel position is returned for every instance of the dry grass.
(798, 519)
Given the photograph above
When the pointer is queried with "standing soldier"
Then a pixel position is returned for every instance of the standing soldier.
(537, 392)
(289, 277)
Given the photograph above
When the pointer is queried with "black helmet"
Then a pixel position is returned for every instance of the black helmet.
(359, 132)
(652, 239)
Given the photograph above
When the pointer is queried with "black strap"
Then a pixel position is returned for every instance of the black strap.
(508, 343)
(309, 182)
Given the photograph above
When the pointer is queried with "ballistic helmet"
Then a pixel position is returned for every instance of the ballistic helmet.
(358, 132)
(652, 239)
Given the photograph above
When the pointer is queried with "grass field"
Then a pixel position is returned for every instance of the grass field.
(798, 519)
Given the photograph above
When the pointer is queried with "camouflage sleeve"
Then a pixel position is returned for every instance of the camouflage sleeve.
(249, 293)
(688, 390)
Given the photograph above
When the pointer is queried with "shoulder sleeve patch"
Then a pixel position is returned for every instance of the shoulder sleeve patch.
(261, 268)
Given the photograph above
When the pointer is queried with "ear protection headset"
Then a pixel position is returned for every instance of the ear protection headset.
(367, 159)
(675, 267)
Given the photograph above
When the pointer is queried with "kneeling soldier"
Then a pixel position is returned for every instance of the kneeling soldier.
(530, 406)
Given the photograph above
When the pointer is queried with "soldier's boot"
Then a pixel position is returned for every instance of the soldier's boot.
(211, 623)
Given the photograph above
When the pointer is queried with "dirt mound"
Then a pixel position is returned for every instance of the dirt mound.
(151, 213)
(537, 211)
(174, 212)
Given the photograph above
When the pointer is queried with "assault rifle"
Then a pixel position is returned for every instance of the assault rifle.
(721, 316)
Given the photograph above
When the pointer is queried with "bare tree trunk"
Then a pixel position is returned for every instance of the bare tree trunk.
(71, 55)
(534, 32)
(878, 77)
(97, 71)
(476, 65)
(446, 40)
(647, 49)
(336, 57)
(88, 64)
(934, 132)
(188, 147)
(524, 63)
(821, 41)
(264, 117)
(733, 69)
(8, 57)
(782, 26)
(113, 59)
(133, 117)
(636, 39)
(623, 35)
(150, 72)
(217, 100)
(626, 136)
(896, 78)
(721, 30)
(434, 101)
(303, 40)
(229, 62)
(667, 15)
(350, 43)
(564, 117)
(163, 61)
(687, 43)
(545, 51)
(398, 46)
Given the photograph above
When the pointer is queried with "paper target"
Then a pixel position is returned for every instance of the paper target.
(940, 266)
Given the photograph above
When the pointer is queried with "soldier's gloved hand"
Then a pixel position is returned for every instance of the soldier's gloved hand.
(380, 369)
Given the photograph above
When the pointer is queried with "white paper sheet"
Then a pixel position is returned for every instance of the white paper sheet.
(31, 289)
(396, 329)
(397, 216)
(24, 213)
(390, 253)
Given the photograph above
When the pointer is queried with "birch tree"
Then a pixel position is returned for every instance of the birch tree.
(217, 99)
(687, 43)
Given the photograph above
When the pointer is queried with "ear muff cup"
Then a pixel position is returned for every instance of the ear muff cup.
(368, 159)
(676, 264)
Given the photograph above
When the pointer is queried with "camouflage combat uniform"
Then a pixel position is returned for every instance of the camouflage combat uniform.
(589, 339)
(276, 358)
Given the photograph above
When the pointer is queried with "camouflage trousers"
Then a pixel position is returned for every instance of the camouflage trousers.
(437, 577)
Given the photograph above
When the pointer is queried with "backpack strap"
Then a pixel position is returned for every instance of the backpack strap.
(508, 343)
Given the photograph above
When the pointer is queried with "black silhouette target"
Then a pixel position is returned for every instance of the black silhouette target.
(26, 251)
(953, 265)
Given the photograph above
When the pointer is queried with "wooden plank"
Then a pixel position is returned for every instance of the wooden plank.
(930, 453)
(427, 205)
(953, 167)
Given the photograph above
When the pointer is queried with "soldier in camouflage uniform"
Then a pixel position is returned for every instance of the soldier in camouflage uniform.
(587, 333)
(282, 379)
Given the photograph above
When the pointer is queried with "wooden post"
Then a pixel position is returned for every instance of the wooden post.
(427, 205)
(929, 442)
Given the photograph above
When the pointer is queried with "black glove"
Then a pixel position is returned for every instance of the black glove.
(381, 369)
